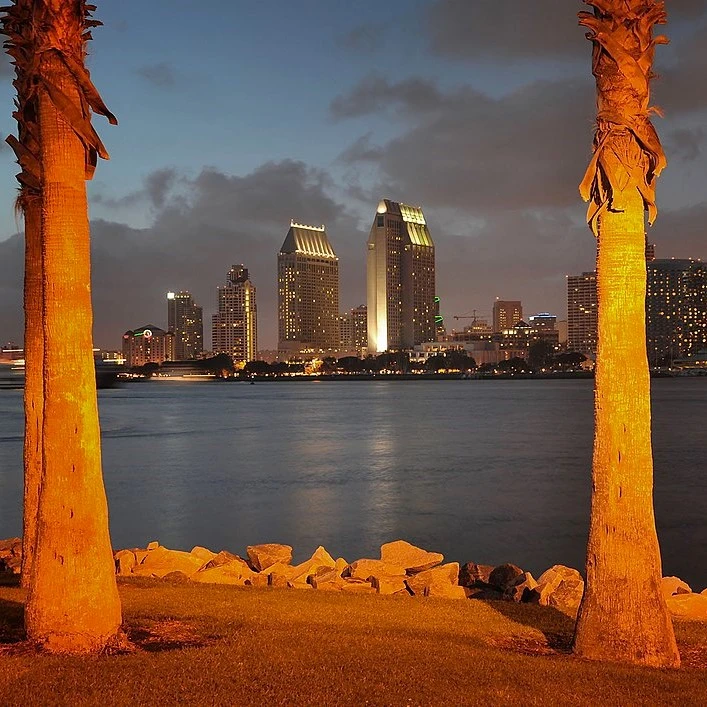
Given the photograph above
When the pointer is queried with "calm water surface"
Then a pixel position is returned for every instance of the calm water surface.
(489, 471)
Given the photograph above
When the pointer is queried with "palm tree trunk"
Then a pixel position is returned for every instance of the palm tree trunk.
(623, 615)
(73, 603)
(34, 383)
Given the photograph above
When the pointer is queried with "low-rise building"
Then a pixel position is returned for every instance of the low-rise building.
(147, 344)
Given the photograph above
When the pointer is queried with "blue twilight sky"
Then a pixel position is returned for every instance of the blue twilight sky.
(237, 116)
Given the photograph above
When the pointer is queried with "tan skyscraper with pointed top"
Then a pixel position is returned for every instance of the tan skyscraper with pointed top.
(308, 292)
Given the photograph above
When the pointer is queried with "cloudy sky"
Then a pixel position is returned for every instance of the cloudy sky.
(237, 116)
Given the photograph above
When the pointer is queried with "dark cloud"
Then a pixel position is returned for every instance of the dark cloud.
(375, 94)
(161, 75)
(508, 31)
(679, 87)
(505, 30)
(362, 150)
(158, 185)
(497, 177)
(513, 254)
(680, 233)
(362, 39)
(685, 143)
(11, 279)
(470, 151)
(118, 202)
(155, 190)
(209, 223)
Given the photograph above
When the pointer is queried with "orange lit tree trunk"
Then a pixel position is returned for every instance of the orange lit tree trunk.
(623, 615)
(73, 602)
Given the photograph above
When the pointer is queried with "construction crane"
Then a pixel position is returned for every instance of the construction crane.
(473, 316)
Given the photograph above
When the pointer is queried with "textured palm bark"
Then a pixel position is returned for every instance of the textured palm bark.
(623, 615)
(34, 384)
(73, 603)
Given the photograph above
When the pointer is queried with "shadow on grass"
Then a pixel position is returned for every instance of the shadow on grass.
(558, 628)
(12, 628)
(155, 636)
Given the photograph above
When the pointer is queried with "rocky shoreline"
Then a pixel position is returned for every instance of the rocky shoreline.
(402, 569)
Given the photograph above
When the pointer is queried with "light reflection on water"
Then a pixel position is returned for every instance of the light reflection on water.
(490, 471)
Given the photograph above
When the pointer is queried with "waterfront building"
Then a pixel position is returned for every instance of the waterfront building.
(676, 310)
(234, 327)
(345, 333)
(147, 344)
(582, 308)
(400, 278)
(544, 320)
(308, 293)
(506, 314)
(185, 321)
(359, 327)
(516, 341)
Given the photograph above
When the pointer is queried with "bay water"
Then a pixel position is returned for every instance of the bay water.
(485, 471)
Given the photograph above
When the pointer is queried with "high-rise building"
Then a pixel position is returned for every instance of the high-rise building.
(308, 292)
(650, 251)
(401, 279)
(147, 344)
(185, 321)
(234, 329)
(506, 314)
(440, 329)
(582, 310)
(676, 309)
(345, 332)
(359, 326)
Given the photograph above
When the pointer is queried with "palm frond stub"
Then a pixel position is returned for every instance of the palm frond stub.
(627, 151)
(32, 33)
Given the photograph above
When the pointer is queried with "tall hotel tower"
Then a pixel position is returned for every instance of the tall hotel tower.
(676, 310)
(582, 313)
(401, 279)
(235, 325)
(308, 292)
(185, 321)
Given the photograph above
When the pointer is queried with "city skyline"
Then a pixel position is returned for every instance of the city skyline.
(309, 247)
(490, 134)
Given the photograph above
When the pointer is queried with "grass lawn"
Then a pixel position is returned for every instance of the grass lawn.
(237, 646)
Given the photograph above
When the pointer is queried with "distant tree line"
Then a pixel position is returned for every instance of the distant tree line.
(541, 356)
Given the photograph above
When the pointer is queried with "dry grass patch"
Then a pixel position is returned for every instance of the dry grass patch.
(228, 645)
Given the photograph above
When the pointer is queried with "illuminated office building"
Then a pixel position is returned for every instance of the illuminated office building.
(234, 327)
(582, 313)
(506, 314)
(676, 310)
(400, 279)
(185, 321)
(359, 327)
(308, 293)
